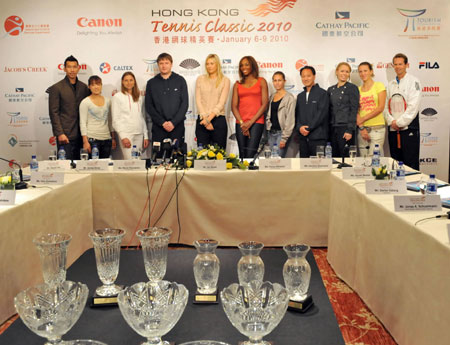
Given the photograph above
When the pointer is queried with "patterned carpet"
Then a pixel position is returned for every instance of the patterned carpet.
(358, 325)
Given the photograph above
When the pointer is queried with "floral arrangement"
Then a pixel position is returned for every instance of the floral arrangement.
(6, 182)
(215, 152)
(381, 173)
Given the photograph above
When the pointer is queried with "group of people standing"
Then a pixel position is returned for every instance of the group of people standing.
(344, 114)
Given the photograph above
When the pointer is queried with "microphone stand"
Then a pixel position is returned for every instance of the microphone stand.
(252, 165)
(22, 184)
(343, 164)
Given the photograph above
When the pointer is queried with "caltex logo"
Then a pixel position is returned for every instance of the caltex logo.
(14, 25)
(105, 68)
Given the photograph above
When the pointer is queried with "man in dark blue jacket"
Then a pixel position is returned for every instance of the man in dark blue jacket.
(311, 114)
(166, 102)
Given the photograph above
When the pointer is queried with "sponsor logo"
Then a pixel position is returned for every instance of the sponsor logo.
(189, 64)
(428, 115)
(19, 96)
(339, 28)
(289, 87)
(426, 139)
(418, 25)
(428, 65)
(351, 60)
(105, 67)
(11, 163)
(428, 161)
(99, 26)
(14, 25)
(189, 12)
(269, 65)
(152, 66)
(302, 63)
(430, 91)
(12, 141)
(17, 119)
(83, 67)
(226, 61)
(45, 120)
(52, 141)
(341, 15)
(384, 65)
(29, 69)
(272, 6)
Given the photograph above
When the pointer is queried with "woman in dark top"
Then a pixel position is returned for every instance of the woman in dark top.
(344, 103)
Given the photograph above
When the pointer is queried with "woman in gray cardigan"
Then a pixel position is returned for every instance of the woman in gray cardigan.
(280, 118)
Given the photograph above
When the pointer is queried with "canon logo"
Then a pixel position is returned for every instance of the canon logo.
(82, 67)
(270, 64)
(95, 23)
(430, 89)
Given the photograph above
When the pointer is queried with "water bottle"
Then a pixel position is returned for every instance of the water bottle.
(200, 146)
(432, 185)
(275, 153)
(34, 165)
(135, 153)
(61, 153)
(95, 152)
(376, 156)
(328, 151)
(400, 173)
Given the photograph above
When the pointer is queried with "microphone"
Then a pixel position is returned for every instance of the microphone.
(252, 165)
(344, 152)
(156, 148)
(21, 184)
(174, 149)
(166, 146)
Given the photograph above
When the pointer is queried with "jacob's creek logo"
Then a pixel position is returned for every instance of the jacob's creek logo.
(105, 68)
(272, 6)
(19, 96)
(25, 69)
(427, 139)
(428, 65)
(418, 25)
(17, 119)
(342, 28)
(99, 26)
(14, 26)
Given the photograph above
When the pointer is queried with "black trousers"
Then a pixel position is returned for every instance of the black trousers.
(409, 150)
(72, 148)
(249, 146)
(159, 134)
(338, 142)
(217, 136)
(308, 147)
(104, 147)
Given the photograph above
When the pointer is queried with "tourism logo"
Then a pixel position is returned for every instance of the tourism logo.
(16, 119)
(105, 67)
(99, 26)
(272, 6)
(342, 15)
(14, 25)
(152, 66)
(418, 25)
(428, 65)
(19, 96)
(13, 140)
(426, 139)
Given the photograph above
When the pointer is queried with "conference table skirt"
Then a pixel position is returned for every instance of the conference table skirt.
(402, 272)
(274, 207)
(66, 209)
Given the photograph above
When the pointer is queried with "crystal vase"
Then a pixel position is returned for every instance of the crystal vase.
(206, 266)
(53, 253)
(154, 243)
(250, 265)
(296, 271)
(107, 254)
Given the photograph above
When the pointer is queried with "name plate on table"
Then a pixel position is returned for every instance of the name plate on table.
(129, 165)
(367, 161)
(7, 197)
(47, 177)
(275, 164)
(93, 165)
(212, 165)
(385, 187)
(354, 173)
(316, 163)
(404, 203)
(61, 165)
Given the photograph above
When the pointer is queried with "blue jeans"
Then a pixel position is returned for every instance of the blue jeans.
(274, 137)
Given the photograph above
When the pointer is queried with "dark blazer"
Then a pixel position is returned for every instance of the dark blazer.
(344, 105)
(64, 105)
(313, 113)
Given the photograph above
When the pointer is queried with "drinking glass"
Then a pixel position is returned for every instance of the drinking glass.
(320, 151)
(84, 154)
(52, 155)
(352, 152)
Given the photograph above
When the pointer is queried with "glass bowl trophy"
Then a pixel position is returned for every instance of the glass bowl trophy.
(297, 275)
(206, 271)
(107, 256)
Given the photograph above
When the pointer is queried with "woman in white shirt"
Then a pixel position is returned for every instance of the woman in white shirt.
(95, 120)
(211, 94)
(128, 117)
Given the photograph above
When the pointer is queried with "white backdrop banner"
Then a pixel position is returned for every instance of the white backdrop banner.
(109, 38)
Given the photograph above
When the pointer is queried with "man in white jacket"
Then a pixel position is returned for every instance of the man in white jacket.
(404, 129)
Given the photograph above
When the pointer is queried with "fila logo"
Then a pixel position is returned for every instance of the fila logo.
(428, 65)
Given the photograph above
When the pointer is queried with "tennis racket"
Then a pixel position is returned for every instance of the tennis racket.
(397, 106)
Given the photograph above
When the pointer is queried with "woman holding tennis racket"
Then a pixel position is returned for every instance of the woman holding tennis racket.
(370, 119)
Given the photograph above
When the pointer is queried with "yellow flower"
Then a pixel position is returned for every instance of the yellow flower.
(384, 171)
(246, 163)
(219, 156)
(188, 163)
(230, 165)
(189, 154)
(211, 154)
(232, 155)
(199, 155)
(379, 170)
(5, 179)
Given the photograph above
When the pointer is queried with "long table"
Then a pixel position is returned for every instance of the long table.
(66, 208)
(317, 326)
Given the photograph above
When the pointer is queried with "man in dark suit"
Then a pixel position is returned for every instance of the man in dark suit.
(64, 102)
